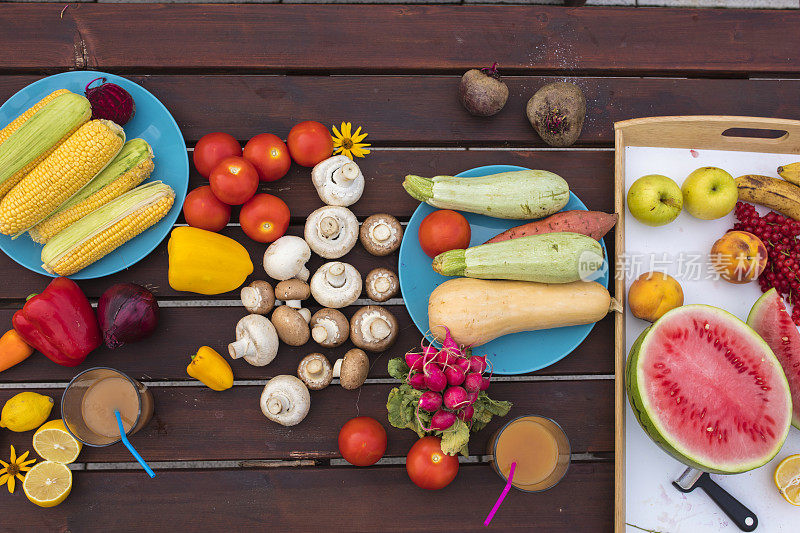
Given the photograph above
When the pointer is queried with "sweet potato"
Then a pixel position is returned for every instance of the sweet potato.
(595, 224)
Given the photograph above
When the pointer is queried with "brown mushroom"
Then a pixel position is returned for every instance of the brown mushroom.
(382, 284)
(381, 234)
(315, 370)
(373, 328)
(258, 297)
(329, 328)
(292, 292)
(292, 328)
(352, 369)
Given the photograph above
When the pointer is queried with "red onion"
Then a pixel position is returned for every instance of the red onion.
(111, 102)
(127, 313)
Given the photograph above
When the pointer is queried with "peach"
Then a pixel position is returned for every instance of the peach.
(654, 293)
(739, 256)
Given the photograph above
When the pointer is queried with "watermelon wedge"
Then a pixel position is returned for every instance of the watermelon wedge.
(771, 320)
(708, 390)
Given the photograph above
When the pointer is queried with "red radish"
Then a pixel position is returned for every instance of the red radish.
(455, 398)
(462, 363)
(444, 358)
(414, 360)
(473, 382)
(477, 363)
(449, 344)
(467, 413)
(485, 383)
(110, 101)
(435, 379)
(472, 397)
(454, 375)
(417, 381)
(430, 401)
(442, 420)
(429, 354)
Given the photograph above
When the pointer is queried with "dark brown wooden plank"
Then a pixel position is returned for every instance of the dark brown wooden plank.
(318, 498)
(182, 330)
(340, 38)
(196, 423)
(424, 110)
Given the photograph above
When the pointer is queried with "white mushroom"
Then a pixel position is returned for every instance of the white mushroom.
(329, 328)
(381, 234)
(258, 297)
(315, 371)
(331, 231)
(381, 284)
(338, 181)
(336, 284)
(256, 341)
(285, 400)
(373, 328)
(352, 369)
(286, 258)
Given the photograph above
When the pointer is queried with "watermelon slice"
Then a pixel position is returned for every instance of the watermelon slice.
(771, 320)
(708, 390)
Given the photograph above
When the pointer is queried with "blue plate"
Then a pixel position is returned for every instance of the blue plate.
(153, 123)
(511, 354)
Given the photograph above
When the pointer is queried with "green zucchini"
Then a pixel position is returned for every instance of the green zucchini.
(546, 258)
(522, 194)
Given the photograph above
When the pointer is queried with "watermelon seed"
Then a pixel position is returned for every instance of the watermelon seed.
(706, 326)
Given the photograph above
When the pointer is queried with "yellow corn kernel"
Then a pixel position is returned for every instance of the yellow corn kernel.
(30, 147)
(132, 166)
(63, 173)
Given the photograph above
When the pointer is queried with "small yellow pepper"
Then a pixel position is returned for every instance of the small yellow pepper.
(211, 368)
(206, 262)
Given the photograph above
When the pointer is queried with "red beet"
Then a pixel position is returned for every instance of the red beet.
(111, 102)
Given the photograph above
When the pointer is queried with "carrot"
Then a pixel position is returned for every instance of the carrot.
(13, 350)
(595, 224)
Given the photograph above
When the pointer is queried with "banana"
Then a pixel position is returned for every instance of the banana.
(778, 195)
(790, 173)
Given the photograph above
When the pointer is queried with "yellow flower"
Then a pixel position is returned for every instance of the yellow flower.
(347, 144)
(14, 468)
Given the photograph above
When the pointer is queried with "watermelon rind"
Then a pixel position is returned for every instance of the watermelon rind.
(660, 435)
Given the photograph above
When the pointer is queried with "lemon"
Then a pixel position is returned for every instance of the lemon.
(787, 479)
(54, 443)
(25, 411)
(48, 483)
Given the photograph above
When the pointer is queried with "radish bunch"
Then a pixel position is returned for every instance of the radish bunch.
(451, 380)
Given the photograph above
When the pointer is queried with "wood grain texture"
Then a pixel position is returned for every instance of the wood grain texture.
(317, 498)
(343, 38)
(196, 423)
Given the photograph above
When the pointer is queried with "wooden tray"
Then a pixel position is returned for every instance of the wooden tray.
(743, 134)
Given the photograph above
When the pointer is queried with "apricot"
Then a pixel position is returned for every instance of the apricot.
(739, 256)
(654, 293)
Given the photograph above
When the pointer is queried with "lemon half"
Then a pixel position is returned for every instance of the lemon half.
(47, 484)
(787, 479)
(53, 442)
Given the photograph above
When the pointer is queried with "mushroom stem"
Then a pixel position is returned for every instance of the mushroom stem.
(337, 368)
(294, 304)
(382, 284)
(379, 329)
(314, 368)
(303, 275)
(305, 313)
(329, 227)
(278, 402)
(335, 275)
(319, 333)
(345, 173)
(381, 232)
(241, 348)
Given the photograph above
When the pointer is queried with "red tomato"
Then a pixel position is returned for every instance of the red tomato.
(204, 210)
(428, 466)
(443, 230)
(269, 155)
(213, 148)
(234, 180)
(264, 218)
(362, 441)
(309, 143)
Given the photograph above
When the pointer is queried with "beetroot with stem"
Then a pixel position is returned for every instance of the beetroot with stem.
(455, 398)
(430, 401)
(442, 420)
(454, 375)
(110, 101)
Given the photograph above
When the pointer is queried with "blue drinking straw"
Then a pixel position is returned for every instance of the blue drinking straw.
(130, 447)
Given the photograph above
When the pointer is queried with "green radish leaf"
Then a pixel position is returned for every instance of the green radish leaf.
(455, 438)
(398, 368)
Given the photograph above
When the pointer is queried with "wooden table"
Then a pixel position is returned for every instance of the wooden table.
(248, 69)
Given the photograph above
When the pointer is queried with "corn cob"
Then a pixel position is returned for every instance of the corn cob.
(132, 166)
(104, 230)
(63, 173)
(32, 136)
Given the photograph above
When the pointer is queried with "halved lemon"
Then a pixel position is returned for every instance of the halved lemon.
(48, 483)
(53, 442)
(787, 479)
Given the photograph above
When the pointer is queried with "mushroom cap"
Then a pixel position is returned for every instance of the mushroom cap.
(381, 234)
(331, 188)
(292, 289)
(292, 328)
(354, 369)
(381, 284)
(328, 295)
(331, 231)
(333, 324)
(316, 371)
(286, 257)
(258, 297)
(256, 340)
(289, 397)
(373, 328)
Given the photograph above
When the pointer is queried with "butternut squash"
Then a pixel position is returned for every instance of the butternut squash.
(477, 311)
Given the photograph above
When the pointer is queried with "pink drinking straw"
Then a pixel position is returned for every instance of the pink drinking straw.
(502, 495)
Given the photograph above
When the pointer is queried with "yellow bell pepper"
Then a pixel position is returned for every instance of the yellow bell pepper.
(206, 262)
(211, 368)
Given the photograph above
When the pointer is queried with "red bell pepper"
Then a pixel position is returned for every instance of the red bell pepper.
(60, 323)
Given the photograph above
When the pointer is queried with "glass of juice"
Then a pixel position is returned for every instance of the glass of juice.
(91, 398)
(539, 447)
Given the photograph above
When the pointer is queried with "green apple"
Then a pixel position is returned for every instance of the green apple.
(655, 200)
(709, 193)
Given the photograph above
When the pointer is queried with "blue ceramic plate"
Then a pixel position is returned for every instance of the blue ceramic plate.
(153, 123)
(511, 354)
